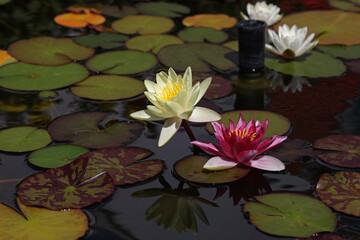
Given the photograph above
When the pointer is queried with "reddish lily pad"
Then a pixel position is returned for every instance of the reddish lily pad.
(164, 9)
(115, 11)
(62, 187)
(344, 150)
(153, 42)
(216, 21)
(291, 215)
(41, 223)
(49, 51)
(82, 129)
(219, 87)
(122, 62)
(104, 40)
(293, 150)
(347, 52)
(197, 55)
(122, 164)
(341, 191)
(191, 169)
(200, 34)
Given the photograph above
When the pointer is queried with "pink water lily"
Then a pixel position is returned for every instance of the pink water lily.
(241, 143)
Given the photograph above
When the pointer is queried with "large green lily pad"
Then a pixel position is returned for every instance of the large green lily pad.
(191, 169)
(314, 65)
(56, 156)
(153, 42)
(30, 77)
(330, 26)
(164, 9)
(49, 51)
(41, 223)
(291, 215)
(104, 40)
(23, 139)
(122, 164)
(108, 87)
(347, 52)
(82, 129)
(115, 11)
(143, 24)
(278, 124)
(341, 191)
(344, 150)
(202, 34)
(197, 55)
(122, 62)
(62, 187)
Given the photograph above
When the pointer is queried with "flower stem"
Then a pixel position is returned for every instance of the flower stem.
(191, 135)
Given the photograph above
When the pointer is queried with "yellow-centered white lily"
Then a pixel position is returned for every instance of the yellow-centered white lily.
(173, 98)
(262, 11)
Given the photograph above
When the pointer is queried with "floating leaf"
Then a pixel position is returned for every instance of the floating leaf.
(30, 77)
(341, 191)
(56, 156)
(103, 40)
(197, 55)
(202, 34)
(5, 58)
(164, 9)
(41, 223)
(82, 129)
(4, 1)
(234, 45)
(23, 139)
(331, 26)
(115, 11)
(61, 188)
(293, 150)
(122, 62)
(216, 21)
(49, 51)
(122, 164)
(347, 5)
(79, 20)
(143, 24)
(278, 124)
(289, 214)
(347, 52)
(314, 65)
(344, 150)
(48, 95)
(219, 87)
(191, 169)
(152, 42)
(108, 87)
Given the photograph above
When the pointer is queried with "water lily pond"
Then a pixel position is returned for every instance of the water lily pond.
(132, 120)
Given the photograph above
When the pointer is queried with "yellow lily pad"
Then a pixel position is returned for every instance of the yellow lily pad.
(216, 21)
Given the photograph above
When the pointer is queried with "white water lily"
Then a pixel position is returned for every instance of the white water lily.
(174, 98)
(262, 11)
(290, 43)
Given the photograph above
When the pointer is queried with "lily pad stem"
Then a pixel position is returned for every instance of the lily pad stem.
(191, 135)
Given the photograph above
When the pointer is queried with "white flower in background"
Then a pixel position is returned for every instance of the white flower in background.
(268, 13)
(290, 43)
(174, 98)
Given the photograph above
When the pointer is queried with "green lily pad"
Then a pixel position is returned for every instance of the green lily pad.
(48, 95)
(202, 34)
(346, 52)
(330, 26)
(153, 43)
(108, 87)
(349, 5)
(164, 9)
(82, 129)
(23, 139)
(143, 24)
(293, 150)
(122, 164)
(197, 55)
(122, 62)
(341, 191)
(56, 156)
(30, 77)
(219, 87)
(234, 45)
(115, 11)
(2, 2)
(104, 40)
(49, 51)
(278, 124)
(191, 169)
(344, 150)
(313, 65)
(62, 187)
(291, 215)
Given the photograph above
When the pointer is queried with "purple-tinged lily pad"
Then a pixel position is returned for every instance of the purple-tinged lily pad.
(344, 150)
(164, 9)
(49, 51)
(153, 42)
(115, 11)
(122, 164)
(219, 87)
(291, 215)
(82, 129)
(104, 40)
(341, 191)
(191, 169)
(293, 150)
(202, 34)
(61, 187)
(327, 236)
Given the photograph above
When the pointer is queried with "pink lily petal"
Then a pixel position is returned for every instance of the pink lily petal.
(266, 162)
(241, 123)
(270, 143)
(219, 163)
(246, 156)
(209, 148)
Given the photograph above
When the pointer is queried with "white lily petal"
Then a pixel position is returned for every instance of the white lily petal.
(201, 114)
(305, 45)
(219, 163)
(204, 85)
(243, 16)
(267, 162)
(149, 85)
(145, 115)
(172, 74)
(158, 112)
(193, 97)
(272, 49)
(173, 108)
(171, 126)
(152, 98)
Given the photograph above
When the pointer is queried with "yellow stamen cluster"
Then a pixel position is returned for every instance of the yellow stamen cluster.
(170, 90)
(243, 133)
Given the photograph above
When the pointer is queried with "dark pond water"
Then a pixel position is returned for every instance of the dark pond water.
(316, 107)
